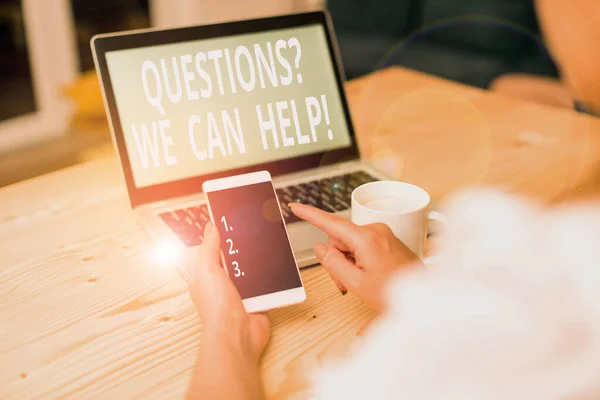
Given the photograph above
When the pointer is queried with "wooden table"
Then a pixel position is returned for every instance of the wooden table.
(85, 314)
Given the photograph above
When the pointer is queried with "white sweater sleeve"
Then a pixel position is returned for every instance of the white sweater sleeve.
(512, 312)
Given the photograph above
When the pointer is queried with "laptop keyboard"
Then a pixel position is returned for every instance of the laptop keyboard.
(188, 223)
(328, 194)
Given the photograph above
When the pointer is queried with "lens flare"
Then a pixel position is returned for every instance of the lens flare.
(166, 254)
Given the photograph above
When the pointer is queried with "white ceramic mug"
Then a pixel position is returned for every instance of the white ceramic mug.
(403, 207)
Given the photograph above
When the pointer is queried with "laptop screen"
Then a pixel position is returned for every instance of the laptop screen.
(201, 107)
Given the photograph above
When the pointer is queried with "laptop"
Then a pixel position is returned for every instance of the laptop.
(190, 104)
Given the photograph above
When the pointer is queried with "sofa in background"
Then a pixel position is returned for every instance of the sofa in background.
(469, 41)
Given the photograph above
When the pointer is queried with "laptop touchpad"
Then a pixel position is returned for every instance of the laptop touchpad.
(304, 236)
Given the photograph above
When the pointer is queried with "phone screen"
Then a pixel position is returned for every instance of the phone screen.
(255, 245)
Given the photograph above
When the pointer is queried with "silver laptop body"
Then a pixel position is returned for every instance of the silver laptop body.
(158, 208)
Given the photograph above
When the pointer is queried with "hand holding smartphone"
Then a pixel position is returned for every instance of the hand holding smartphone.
(255, 247)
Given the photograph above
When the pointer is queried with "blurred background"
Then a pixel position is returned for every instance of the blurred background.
(51, 110)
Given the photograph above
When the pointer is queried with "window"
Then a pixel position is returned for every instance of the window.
(44, 45)
(36, 60)
(94, 17)
(16, 84)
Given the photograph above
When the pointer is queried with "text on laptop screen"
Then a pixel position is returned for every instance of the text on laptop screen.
(200, 107)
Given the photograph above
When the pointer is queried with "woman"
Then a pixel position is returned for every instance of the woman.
(513, 312)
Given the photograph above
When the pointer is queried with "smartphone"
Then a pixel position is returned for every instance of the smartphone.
(255, 247)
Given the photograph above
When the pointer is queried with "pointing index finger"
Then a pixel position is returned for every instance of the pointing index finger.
(332, 224)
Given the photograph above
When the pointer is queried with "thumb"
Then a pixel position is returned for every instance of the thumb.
(210, 250)
(338, 266)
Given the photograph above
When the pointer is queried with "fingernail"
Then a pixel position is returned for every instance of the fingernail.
(340, 287)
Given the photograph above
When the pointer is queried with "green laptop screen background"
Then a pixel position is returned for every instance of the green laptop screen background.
(195, 108)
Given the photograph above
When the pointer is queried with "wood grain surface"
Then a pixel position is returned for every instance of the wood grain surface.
(86, 314)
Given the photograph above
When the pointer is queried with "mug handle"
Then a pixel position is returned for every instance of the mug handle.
(441, 218)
